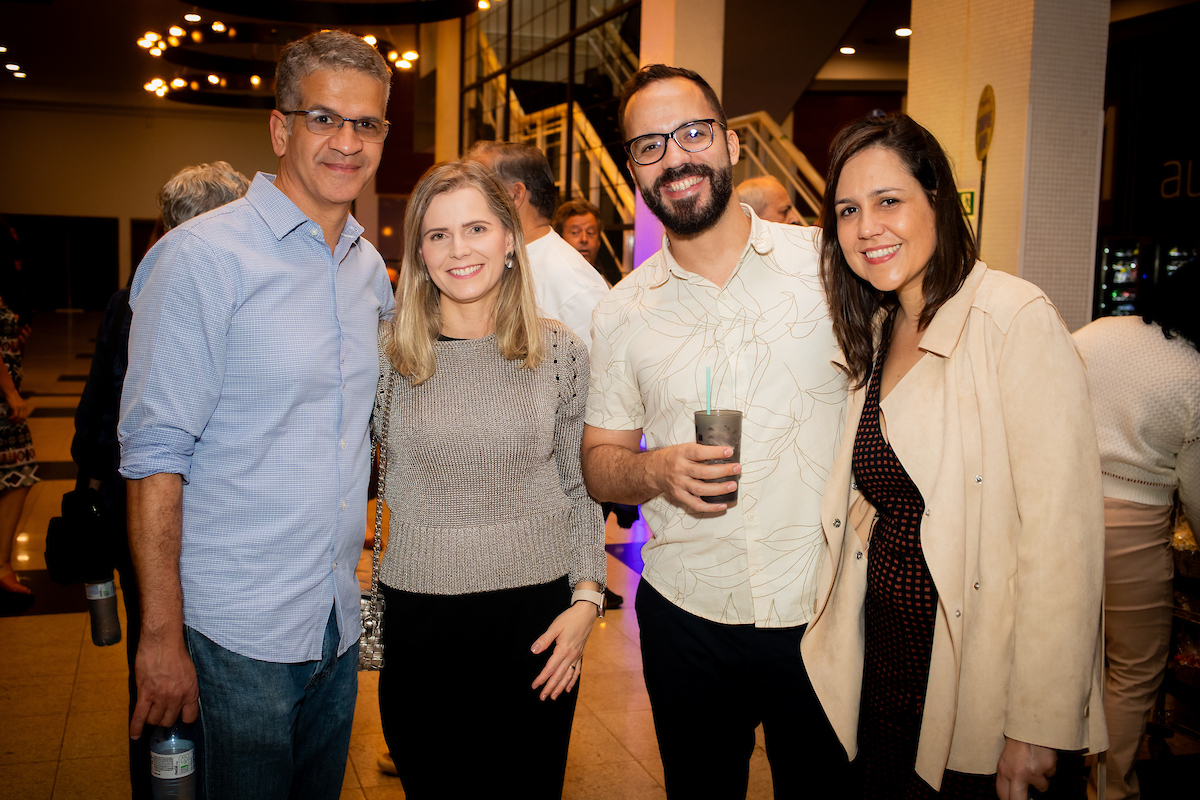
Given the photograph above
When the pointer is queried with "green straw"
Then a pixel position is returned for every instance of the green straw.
(708, 390)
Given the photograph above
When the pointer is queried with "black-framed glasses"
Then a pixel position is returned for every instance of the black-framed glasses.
(691, 138)
(327, 123)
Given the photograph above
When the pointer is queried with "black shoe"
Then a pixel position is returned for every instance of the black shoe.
(612, 599)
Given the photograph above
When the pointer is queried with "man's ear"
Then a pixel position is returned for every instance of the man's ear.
(279, 133)
(734, 144)
(519, 194)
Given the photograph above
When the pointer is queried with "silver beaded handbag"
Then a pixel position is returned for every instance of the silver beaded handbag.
(370, 645)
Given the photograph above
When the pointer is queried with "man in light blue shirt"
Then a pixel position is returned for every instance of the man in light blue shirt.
(244, 438)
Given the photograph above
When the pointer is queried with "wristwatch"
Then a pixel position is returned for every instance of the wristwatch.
(592, 597)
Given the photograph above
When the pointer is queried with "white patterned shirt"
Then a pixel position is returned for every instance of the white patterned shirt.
(769, 341)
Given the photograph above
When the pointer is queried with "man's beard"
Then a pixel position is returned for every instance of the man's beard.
(689, 217)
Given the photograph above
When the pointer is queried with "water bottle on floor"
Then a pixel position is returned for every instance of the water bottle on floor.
(102, 607)
(173, 762)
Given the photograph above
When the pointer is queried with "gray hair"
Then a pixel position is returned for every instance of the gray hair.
(337, 50)
(750, 191)
(194, 190)
(514, 162)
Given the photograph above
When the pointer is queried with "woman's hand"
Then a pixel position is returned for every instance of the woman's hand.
(568, 633)
(1022, 766)
(18, 409)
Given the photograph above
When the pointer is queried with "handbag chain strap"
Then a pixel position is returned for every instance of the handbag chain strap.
(380, 482)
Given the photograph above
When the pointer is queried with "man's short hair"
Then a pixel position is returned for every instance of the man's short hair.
(750, 192)
(336, 50)
(574, 208)
(515, 162)
(652, 73)
(194, 190)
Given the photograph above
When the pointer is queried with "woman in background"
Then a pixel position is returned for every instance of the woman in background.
(1144, 376)
(495, 560)
(18, 462)
(959, 644)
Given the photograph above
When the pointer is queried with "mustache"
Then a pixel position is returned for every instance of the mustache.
(683, 171)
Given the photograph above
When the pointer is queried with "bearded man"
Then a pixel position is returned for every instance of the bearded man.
(728, 587)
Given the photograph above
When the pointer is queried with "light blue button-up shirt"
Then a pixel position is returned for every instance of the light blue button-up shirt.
(252, 372)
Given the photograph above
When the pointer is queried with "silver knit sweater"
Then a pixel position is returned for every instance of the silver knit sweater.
(484, 481)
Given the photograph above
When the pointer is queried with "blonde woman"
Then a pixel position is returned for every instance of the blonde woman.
(495, 559)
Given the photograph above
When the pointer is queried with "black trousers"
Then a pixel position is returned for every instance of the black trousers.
(710, 686)
(459, 714)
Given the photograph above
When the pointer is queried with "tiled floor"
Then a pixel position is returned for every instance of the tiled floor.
(63, 700)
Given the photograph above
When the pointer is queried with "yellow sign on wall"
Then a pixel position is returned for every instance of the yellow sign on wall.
(985, 122)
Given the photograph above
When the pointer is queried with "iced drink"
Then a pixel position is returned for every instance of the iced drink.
(721, 428)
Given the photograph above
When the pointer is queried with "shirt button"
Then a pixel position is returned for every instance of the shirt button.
(858, 555)
(837, 523)
(979, 479)
(343, 443)
(958, 613)
(976, 585)
(343, 505)
(335, 565)
(313, 231)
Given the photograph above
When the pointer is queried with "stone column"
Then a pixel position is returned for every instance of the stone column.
(1045, 60)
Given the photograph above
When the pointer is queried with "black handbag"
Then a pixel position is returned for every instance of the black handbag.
(78, 544)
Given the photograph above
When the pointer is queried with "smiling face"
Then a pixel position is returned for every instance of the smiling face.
(885, 223)
(583, 233)
(323, 174)
(463, 246)
(688, 192)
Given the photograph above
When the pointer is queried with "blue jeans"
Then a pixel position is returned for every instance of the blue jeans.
(272, 731)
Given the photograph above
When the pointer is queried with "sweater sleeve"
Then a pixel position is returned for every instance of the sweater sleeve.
(586, 528)
(1058, 583)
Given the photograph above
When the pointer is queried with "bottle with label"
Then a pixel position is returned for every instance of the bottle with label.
(173, 762)
(102, 607)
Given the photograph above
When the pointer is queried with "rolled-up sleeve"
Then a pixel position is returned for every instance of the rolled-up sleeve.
(183, 300)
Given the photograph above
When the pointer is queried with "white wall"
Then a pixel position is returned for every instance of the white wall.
(103, 162)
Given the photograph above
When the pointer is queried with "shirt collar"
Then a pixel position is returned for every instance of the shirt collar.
(941, 337)
(761, 242)
(281, 214)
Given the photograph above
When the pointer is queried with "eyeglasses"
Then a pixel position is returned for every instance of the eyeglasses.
(691, 138)
(326, 123)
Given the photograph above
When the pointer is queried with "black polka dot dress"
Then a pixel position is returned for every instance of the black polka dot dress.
(901, 606)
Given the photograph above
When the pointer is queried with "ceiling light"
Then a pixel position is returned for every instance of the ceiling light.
(255, 80)
(173, 41)
(156, 51)
(23, 557)
(149, 87)
(192, 17)
(161, 91)
(847, 51)
(369, 39)
(157, 82)
(904, 31)
(3, 49)
(214, 80)
(393, 55)
(179, 83)
(18, 74)
(12, 67)
(195, 86)
(484, 5)
(145, 43)
(402, 64)
(176, 30)
(151, 36)
(218, 26)
(197, 36)
(410, 55)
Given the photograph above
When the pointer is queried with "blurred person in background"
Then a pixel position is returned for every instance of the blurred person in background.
(768, 198)
(1144, 377)
(578, 223)
(189, 193)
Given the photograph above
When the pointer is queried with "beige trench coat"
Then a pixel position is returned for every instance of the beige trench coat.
(994, 426)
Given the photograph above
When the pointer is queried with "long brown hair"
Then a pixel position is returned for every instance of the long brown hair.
(418, 319)
(853, 302)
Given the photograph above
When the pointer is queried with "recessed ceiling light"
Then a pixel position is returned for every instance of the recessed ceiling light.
(18, 74)
(847, 51)
(214, 80)
(218, 26)
(369, 39)
(402, 64)
(12, 67)
(904, 31)
(179, 83)
(255, 80)
(410, 55)
(484, 5)
(3, 49)
(192, 17)
(176, 30)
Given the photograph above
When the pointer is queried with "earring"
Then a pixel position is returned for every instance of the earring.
(508, 261)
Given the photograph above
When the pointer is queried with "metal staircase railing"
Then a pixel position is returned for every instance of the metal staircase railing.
(766, 151)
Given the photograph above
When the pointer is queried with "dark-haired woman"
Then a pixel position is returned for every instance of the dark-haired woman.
(958, 646)
(1144, 375)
